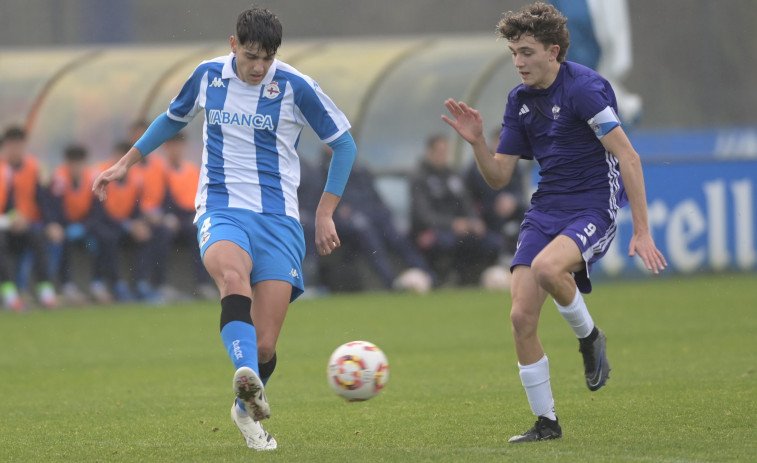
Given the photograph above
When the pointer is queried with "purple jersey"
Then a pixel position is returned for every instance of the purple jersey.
(560, 127)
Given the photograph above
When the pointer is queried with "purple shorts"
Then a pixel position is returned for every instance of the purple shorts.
(592, 230)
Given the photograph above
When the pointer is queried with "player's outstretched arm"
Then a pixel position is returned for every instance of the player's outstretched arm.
(642, 243)
(496, 169)
(115, 172)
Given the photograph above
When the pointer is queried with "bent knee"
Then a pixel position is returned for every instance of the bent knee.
(545, 269)
(523, 321)
(232, 281)
(266, 351)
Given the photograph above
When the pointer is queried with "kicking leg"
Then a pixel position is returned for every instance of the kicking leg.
(553, 268)
(269, 308)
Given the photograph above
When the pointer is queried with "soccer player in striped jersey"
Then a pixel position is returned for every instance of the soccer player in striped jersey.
(564, 115)
(250, 238)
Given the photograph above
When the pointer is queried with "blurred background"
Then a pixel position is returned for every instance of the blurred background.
(84, 70)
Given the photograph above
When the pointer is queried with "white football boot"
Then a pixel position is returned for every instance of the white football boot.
(253, 432)
(249, 389)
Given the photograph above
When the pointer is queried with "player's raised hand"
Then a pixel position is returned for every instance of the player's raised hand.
(643, 245)
(465, 120)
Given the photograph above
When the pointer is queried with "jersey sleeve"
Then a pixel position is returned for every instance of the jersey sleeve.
(318, 111)
(186, 104)
(594, 103)
(512, 138)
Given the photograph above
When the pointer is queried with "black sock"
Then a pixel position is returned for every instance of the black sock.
(266, 369)
(592, 336)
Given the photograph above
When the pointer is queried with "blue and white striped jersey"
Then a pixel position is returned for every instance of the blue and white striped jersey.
(250, 135)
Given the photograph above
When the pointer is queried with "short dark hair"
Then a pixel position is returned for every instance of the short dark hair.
(75, 153)
(544, 22)
(14, 132)
(259, 25)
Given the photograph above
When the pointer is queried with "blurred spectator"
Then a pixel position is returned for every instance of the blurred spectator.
(115, 221)
(365, 224)
(155, 174)
(136, 130)
(600, 38)
(26, 237)
(502, 210)
(444, 222)
(70, 203)
(8, 290)
(173, 220)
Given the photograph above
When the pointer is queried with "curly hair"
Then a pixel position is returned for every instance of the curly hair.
(544, 22)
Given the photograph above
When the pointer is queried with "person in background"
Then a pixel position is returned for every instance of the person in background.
(367, 225)
(27, 233)
(117, 221)
(176, 217)
(501, 210)
(70, 203)
(8, 290)
(600, 38)
(154, 174)
(443, 220)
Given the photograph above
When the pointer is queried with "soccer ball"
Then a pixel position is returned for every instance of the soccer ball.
(358, 370)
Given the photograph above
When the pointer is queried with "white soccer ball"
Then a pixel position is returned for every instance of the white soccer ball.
(358, 370)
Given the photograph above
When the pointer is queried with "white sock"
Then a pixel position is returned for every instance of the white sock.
(577, 316)
(535, 379)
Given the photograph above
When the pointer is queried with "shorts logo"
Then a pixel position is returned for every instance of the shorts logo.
(205, 238)
(205, 225)
(294, 274)
(271, 91)
(589, 229)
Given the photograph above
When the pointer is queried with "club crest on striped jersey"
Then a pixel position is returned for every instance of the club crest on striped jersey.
(271, 91)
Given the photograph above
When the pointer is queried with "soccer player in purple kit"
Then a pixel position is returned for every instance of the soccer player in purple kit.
(564, 115)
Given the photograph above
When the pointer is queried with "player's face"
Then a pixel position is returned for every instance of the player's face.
(536, 64)
(252, 61)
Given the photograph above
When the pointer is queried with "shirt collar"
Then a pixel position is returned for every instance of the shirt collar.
(229, 72)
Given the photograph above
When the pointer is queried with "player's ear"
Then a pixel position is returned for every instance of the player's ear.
(554, 50)
(233, 43)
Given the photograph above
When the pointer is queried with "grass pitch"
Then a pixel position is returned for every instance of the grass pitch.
(134, 383)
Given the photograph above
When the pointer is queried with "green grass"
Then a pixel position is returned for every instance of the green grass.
(136, 383)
